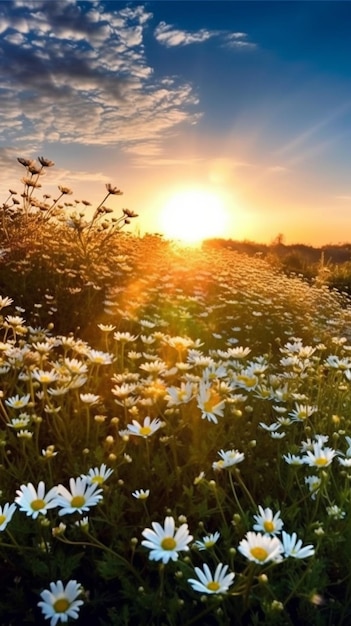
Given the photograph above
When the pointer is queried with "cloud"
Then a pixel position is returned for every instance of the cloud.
(169, 36)
(74, 72)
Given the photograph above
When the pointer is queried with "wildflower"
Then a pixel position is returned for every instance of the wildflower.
(98, 475)
(146, 430)
(266, 522)
(17, 402)
(229, 458)
(61, 602)
(206, 582)
(141, 494)
(25, 434)
(180, 395)
(293, 459)
(208, 541)
(5, 301)
(100, 358)
(293, 547)
(20, 422)
(89, 398)
(34, 501)
(83, 523)
(319, 456)
(261, 548)
(334, 511)
(124, 337)
(314, 483)
(210, 403)
(65, 190)
(6, 513)
(302, 412)
(82, 497)
(165, 542)
(114, 191)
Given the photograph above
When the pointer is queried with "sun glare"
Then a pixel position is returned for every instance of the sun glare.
(193, 215)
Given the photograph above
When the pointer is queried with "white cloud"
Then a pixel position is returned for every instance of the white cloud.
(78, 73)
(170, 36)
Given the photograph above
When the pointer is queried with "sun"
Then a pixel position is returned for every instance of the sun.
(192, 215)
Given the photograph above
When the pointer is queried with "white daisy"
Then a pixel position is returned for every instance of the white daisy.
(141, 494)
(59, 603)
(34, 501)
(228, 458)
(6, 513)
(98, 475)
(261, 548)
(143, 430)
(165, 542)
(208, 541)
(206, 582)
(293, 547)
(267, 522)
(82, 497)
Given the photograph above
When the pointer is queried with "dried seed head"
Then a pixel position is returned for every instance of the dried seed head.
(114, 191)
(45, 162)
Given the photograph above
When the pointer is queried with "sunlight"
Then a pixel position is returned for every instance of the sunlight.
(192, 215)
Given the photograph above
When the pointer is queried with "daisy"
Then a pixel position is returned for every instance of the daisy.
(228, 458)
(17, 402)
(314, 484)
(261, 548)
(210, 403)
(141, 494)
(293, 547)
(208, 541)
(319, 456)
(165, 542)
(6, 513)
(180, 395)
(82, 497)
(148, 428)
(266, 522)
(34, 501)
(293, 459)
(206, 582)
(59, 603)
(98, 475)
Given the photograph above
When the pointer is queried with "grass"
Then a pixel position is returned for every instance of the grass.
(216, 390)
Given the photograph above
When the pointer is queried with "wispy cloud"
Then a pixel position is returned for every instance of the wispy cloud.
(170, 36)
(75, 72)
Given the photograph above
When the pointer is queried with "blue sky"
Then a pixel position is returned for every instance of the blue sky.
(247, 101)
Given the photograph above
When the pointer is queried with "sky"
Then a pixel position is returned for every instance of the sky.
(225, 118)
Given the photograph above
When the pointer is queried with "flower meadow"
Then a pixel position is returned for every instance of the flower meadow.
(175, 428)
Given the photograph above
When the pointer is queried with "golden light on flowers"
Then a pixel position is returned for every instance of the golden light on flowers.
(191, 215)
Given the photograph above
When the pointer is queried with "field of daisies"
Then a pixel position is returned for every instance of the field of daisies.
(175, 427)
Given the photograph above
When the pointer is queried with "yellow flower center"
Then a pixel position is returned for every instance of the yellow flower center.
(77, 501)
(247, 380)
(321, 460)
(268, 526)
(2, 519)
(213, 585)
(168, 543)
(145, 431)
(212, 401)
(38, 504)
(61, 605)
(259, 553)
(97, 479)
